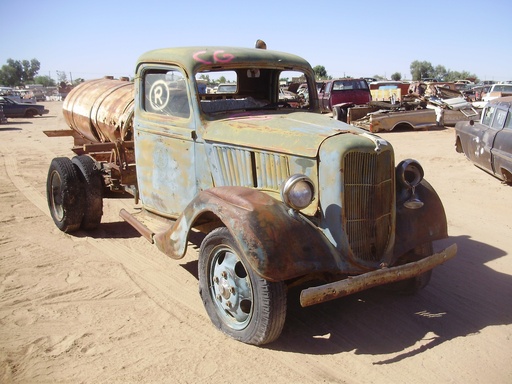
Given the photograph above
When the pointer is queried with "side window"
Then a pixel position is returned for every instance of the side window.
(508, 121)
(499, 118)
(488, 113)
(165, 93)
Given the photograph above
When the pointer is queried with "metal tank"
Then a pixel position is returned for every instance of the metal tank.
(101, 110)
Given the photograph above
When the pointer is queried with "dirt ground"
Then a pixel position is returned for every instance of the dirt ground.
(106, 307)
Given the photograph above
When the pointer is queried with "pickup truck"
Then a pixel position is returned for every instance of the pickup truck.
(286, 197)
(337, 95)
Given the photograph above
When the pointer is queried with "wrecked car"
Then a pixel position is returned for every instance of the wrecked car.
(336, 96)
(488, 142)
(285, 197)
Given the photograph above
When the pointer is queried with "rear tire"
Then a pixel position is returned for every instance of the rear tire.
(93, 190)
(65, 195)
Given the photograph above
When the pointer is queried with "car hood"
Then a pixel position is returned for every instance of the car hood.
(298, 133)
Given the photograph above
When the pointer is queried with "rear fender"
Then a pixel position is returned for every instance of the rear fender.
(279, 244)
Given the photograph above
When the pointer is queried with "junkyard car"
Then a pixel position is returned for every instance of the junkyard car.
(498, 90)
(15, 109)
(286, 197)
(338, 95)
(488, 142)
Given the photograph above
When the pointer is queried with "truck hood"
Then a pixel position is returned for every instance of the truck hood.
(298, 133)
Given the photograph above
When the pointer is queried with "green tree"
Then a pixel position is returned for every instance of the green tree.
(16, 72)
(45, 81)
(397, 76)
(421, 70)
(320, 72)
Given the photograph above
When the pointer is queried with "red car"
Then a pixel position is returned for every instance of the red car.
(338, 95)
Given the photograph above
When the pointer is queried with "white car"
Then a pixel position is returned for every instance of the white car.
(498, 90)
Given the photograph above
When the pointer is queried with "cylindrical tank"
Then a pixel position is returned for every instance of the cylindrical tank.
(101, 110)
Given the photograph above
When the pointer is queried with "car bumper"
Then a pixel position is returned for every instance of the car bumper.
(353, 284)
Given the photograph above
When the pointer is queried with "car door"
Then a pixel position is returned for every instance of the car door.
(502, 148)
(324, 95)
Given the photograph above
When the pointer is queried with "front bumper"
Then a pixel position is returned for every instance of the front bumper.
(353, 284)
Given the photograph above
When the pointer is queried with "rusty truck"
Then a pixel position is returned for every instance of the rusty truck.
(286, 197)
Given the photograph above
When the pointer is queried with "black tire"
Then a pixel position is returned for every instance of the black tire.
(339, 113)
(30, 113)
(65, 195)
(93, 190)
(240, 303)
(414, 285)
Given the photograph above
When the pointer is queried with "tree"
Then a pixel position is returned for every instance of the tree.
(397, 76)
(16, 72)
(45, 81)
(320, 72)
(61, 77)
(421, 70)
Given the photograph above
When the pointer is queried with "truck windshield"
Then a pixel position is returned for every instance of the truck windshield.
(251, 88)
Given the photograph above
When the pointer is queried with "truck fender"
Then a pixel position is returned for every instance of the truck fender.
(279, 244)
(415, 227)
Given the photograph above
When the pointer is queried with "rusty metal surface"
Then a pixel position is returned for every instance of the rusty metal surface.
(331, 291)
(101, 110)
(262, 227)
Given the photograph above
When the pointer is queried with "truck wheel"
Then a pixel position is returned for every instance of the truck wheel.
(339, 113)
(240, 303)
(93, 189)
(417, 283)
(65, 195)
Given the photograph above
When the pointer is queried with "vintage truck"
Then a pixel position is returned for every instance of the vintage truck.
(286, 197)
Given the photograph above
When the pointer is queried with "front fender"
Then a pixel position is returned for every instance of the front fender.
(278, 244)
(415, 227)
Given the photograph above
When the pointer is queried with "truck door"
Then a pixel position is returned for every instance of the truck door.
(164, 140)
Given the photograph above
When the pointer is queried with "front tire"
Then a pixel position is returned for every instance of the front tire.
(415, 284)
(65, 195)
(240, 303)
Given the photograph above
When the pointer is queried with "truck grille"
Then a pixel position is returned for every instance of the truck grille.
(368, 203)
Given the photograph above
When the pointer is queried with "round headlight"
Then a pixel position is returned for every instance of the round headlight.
(298, 191)
(409, 173)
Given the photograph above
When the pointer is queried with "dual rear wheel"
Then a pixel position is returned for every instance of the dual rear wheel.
(74, 190)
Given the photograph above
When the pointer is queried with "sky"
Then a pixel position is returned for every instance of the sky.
(91, 39)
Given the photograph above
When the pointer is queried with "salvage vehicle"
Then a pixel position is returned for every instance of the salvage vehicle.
(286, 197)
(498, 90)
(14, 109)
(337, 95)
(384, 116)
(488, 142)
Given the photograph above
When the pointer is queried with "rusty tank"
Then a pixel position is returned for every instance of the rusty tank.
(101, 110)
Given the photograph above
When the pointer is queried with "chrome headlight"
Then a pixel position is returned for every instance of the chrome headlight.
(298, 191)
(409, 173)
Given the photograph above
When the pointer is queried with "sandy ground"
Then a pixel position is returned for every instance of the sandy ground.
(106, 307)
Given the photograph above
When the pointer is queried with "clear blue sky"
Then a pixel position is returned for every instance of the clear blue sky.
(91, 39)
